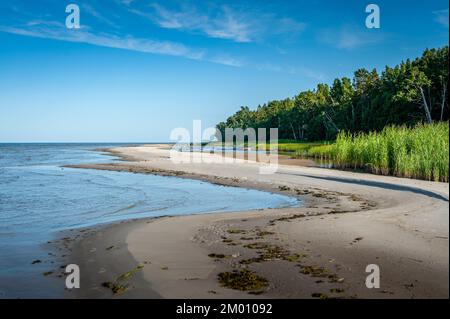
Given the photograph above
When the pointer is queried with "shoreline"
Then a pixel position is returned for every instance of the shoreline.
(319, 250)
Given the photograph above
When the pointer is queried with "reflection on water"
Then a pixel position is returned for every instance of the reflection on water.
(39, 197)
(285, 157)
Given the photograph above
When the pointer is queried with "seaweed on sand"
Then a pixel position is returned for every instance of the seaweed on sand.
(244, 280)
(262, 233)
(236, 231)
(320, 272)
(130, 273)
(218, 256)
(251, 261)
(314, 271)
(257, 246)
(287, 218)
(319, 295)
(116, 287)
(295, 257)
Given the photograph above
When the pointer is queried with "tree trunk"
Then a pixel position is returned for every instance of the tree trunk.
(353, 118)
(293, 131)
(444, 92)
(331, 121)
(425, 105)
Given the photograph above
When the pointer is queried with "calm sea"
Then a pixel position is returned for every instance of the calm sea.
(38, 197)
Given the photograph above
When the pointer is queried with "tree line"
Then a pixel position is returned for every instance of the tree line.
(412, 92)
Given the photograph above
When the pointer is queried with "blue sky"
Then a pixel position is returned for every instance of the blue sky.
(136, 69)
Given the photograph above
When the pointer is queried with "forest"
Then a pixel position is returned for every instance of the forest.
(412, 92)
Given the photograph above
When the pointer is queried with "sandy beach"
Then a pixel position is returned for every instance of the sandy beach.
(320, 250)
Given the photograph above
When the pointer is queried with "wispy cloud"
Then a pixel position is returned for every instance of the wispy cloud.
(125, 2)
(57, 31)
(222, 22)
(441, 17)
(297, 70)
(96, 14)
(225, 25)
(288, 26)
(349, 38)
(227, 60)
(309, 73)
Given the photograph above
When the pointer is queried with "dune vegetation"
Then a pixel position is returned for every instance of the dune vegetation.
(420, 152)
(391, 123)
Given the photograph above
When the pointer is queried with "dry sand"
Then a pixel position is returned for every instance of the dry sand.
(349, 220)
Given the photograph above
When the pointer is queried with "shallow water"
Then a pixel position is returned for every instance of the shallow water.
(300, 161)
(38, 198)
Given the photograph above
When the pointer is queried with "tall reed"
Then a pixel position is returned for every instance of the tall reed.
(420, 152)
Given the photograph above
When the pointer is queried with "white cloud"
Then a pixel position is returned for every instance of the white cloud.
(229, 26)
(288, 26)
(441, 17)
(127, 2)
(226, 25)
(38, 22)
(227, 60)
(57, 31)
(349, 38)
(222, 22)
(297, 70)
(267, 66)
(93, 12)
(309, 73)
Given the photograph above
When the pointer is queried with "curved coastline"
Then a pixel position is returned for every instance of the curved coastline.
(349, 220)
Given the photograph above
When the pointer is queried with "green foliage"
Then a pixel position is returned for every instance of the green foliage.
(419, 152)
(368, 102)
(293, 147)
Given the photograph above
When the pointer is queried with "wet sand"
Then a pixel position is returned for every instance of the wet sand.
(320, 250)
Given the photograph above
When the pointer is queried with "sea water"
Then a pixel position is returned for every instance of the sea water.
(39, 197)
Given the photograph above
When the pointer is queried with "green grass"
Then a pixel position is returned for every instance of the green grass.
(289, 147)
(420, 152)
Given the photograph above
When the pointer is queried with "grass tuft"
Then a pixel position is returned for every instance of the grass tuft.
(421, 152)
